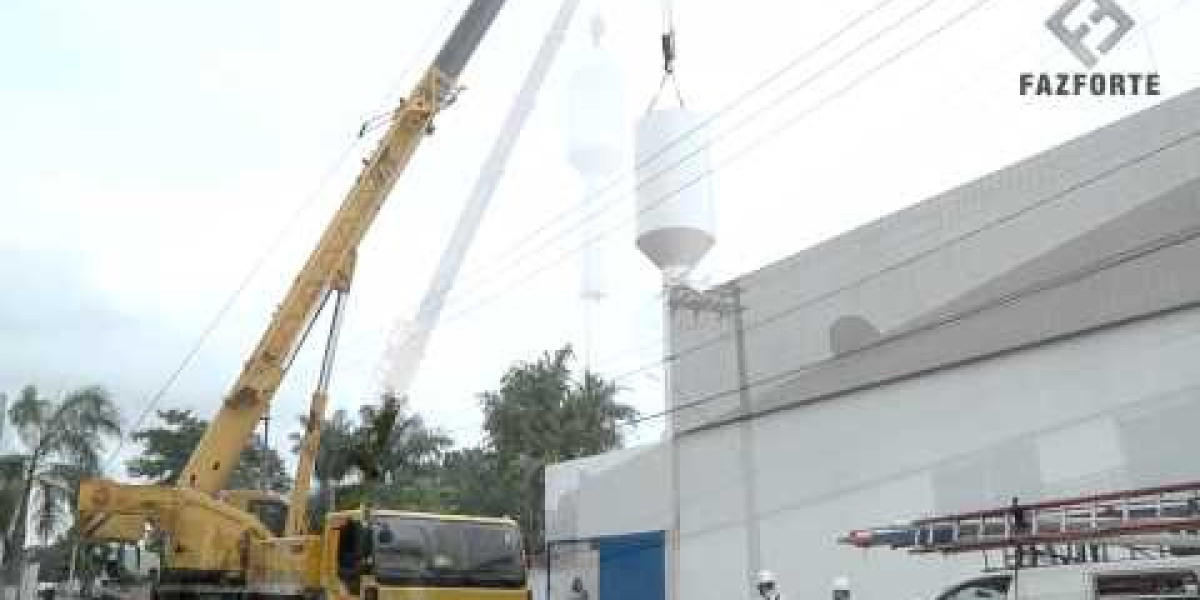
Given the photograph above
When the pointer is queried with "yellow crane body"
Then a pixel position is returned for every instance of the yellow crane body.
(234, 544)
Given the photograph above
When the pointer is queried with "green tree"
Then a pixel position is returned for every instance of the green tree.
(63, 441)
(166, 449)
(410, 466)
(543, 414)
(476, 483)
(397, 457)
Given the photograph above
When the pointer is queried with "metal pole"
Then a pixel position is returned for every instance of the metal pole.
(266, 449)
(673, 545)
(549, 561)
(746, 436)
(71, 566)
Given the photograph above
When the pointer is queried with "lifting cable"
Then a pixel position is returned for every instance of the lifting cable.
(668, 54)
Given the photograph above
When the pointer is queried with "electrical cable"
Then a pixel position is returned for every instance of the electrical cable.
(880, 66)
(711, 118)
(746, 149)
(737, 155)
(762, 84)
(1108, 262)
(955, 95)
(741, 152)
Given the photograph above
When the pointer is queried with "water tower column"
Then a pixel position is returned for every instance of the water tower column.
(596, 140)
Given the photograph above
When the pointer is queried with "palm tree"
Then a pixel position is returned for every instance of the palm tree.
(63, 442)
(413, 450)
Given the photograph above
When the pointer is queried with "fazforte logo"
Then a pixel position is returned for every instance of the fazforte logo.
(1088, 43)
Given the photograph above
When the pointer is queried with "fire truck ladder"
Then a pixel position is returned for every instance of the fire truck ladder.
(1166, 516)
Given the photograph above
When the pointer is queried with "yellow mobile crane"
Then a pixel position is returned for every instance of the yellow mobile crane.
(226, 544)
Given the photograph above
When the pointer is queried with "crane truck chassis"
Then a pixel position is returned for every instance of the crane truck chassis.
(226, 544)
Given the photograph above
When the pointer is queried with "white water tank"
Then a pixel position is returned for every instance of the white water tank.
(675, 221)
(595, 120)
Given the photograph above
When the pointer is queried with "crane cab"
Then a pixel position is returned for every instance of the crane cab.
(270, 508)
(402, 555)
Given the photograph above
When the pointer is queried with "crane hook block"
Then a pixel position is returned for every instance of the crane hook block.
(668, 50)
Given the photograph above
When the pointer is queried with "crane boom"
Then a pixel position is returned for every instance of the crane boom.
(408, 339)
(331, 263)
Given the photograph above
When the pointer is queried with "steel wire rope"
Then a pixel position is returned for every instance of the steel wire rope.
(735, 156)
(397, 86)
(1115, 259)
(762, 84)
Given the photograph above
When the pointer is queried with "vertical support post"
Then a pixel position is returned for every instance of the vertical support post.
(673, 545)
(746, 437)
(549, 566)
(266, 451)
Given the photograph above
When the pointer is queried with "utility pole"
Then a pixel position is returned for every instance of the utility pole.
(723, 301)
(266, 453)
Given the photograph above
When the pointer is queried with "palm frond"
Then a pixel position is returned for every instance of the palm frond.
(28, 416)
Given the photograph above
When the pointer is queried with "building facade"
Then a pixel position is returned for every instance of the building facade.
(1031, 334)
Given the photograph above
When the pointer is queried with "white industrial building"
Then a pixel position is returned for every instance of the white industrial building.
(1031, 334)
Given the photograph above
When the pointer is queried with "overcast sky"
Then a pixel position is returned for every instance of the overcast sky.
(151, 151)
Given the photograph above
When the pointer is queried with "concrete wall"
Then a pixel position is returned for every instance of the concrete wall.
(1030, 334)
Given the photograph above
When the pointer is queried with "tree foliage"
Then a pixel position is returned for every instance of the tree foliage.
(394, 456)
(62, 441)
(167, 447)
(542, 414)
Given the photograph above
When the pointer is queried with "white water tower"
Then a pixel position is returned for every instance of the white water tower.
(675, 220)
(596, 139)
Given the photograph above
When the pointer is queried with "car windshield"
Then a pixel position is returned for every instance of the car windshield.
(437, 553)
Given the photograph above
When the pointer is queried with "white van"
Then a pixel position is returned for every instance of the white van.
(1160, 579)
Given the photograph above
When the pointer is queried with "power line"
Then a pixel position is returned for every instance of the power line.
(955, 95)
(745, 150)
(739, 154)
(726, 108)
(455, 316)
(1105, 263)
